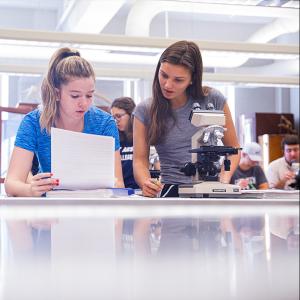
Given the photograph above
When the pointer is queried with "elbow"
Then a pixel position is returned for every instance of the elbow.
(8, 188)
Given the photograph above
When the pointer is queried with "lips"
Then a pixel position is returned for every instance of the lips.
(168, 93)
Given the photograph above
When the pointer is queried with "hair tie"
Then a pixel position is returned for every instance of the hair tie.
(71, 53)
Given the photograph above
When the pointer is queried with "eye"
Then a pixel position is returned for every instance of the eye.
(163, 75)
(178, 80)
(75, 96)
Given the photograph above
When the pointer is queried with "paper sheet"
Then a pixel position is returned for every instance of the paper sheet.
(82, 161)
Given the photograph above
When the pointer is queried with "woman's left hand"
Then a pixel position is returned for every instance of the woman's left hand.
(42, 183)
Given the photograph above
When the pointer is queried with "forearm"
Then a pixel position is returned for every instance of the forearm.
(15, 188)
(225, 176)
(263, 186)
(280, 184)
(141, 172)
(119, 183)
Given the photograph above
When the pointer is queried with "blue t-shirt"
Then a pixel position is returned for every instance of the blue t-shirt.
(32, 138)
(126, 152)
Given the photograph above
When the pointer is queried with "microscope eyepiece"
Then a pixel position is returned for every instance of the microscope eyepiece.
(210, 106)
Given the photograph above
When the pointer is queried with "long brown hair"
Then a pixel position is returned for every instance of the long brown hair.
(184, 53)
(65, 64)
(127, 104)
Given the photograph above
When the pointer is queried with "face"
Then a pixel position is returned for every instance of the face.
(248, 161)
(121, 117)
(291, 153)
(174, 80)
(76, 97)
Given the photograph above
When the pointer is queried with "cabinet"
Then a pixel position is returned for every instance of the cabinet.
(252, 125)
(271, 147)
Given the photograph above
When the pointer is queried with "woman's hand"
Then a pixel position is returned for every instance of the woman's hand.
(151, 187)
(42, 183)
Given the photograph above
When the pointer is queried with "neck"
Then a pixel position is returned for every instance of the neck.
(179, 102)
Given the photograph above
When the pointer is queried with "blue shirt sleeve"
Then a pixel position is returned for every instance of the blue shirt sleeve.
(26, 137)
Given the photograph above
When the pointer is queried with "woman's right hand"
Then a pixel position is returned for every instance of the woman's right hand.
(151, 187)
(42, 183)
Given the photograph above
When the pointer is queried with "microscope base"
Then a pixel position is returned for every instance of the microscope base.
(209, 189)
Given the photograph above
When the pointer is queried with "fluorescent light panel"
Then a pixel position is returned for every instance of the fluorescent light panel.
(125, 55)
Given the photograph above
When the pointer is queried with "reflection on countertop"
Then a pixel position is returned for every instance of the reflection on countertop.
(133, 248)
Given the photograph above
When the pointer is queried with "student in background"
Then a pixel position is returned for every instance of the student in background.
(67, 96)
(249, 175)
(281, 172)
(121, 110)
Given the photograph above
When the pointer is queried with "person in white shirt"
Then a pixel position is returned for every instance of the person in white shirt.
(281, 172)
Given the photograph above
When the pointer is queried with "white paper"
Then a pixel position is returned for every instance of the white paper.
(82, 161)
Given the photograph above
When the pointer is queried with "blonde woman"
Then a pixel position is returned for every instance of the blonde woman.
(67, 96)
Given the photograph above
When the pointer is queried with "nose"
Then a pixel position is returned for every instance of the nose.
(168, 83)
(83, 102)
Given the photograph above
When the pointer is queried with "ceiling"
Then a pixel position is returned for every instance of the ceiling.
(269, 29)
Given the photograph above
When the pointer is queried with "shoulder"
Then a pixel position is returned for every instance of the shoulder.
(144, 105)
(277, 162)
(99, 122)
(215, 93)
(216, 97)
(31, 120)
(142, 110)
(96, 117)
(97, 113)
(33, 115)
(258, 169)
(28, 131)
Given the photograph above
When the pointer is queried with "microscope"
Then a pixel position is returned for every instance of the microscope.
(207, 151)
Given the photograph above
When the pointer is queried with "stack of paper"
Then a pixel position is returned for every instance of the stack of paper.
(98, 193)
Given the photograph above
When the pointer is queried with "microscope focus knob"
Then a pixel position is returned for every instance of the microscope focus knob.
(227, 164)
(189, 169)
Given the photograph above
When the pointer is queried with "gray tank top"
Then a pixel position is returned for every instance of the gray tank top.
(173, 151)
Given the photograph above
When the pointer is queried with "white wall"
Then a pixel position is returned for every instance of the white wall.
(254, 100)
